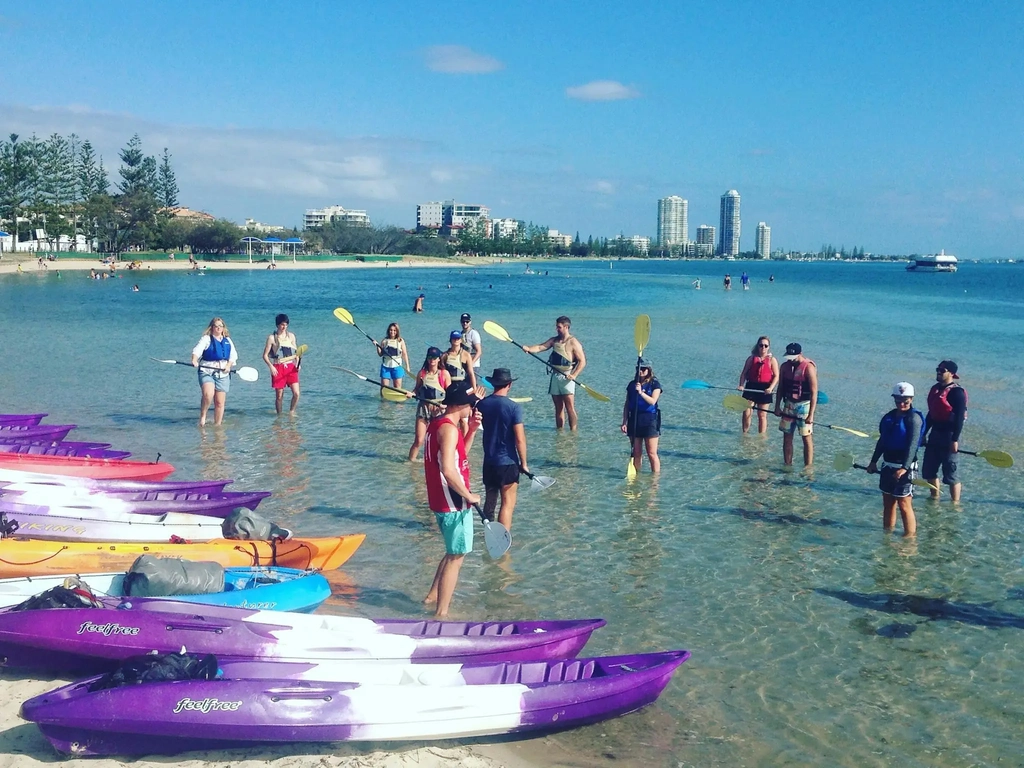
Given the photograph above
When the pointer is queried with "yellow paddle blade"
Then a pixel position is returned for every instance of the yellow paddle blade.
(922, 483)
(392, 395)
(1000, 459)
(594, 393)
(344, 315)
(303, 349)
(856, 432)
(642, 333)
(494, 330)
(843, 461)
(630, 470)
(521, 399)
(736, 403)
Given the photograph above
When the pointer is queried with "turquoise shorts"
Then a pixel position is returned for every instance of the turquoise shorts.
(457, 529)
(560, 385)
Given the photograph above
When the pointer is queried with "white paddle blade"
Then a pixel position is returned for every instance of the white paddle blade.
(541, 483)
(245, 373)
(497, 539)
(843, 461)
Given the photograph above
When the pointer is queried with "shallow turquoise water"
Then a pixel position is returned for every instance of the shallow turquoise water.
(727, 554)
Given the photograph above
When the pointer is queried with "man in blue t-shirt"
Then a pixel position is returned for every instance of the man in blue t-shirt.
(504, 447)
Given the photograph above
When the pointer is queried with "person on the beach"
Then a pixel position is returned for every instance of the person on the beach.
(446, 470)
(947, 410)
(504, 447)
(795, 401)
(279, 354)
(899, 435)
(566, 362)
(417, 305)
(431, 383)
(727, 282)
(394, 357)
(214, 356)
(471, 341)
(641, 416)
(758, 380)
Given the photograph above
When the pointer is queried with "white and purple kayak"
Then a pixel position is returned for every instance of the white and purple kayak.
(53, 432)
(161, 487)
(73, 524)
(98, 638)
(92, 503)
(22, 419)
(261, 703)
(259, 588)
(56, 447)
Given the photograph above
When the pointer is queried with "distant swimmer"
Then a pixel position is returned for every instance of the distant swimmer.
(696, 284)
(771, 278)
(135, 288)
(899, 434)
(417, 305)
(727, 282)
(745, 280)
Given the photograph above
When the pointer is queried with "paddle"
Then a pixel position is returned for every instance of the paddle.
(521, 399)
(538, 482)
(737, 403)
(641, 335)
(346, 317)
(501, 334)
(497, 538)
(1000, 459)
(245, 373)
(698, 384)
(844, 461)
(392, 394)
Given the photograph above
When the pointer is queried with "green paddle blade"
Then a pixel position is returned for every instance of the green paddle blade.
(494, 330)
(1000, 459)
(392, 395)
(642, 333)
(843, 461)
(344, 315)
(303, 349)
(736, 403)
(631, 470)
(594, 393)
(521, 399)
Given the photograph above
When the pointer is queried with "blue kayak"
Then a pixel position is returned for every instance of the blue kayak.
(267, 589)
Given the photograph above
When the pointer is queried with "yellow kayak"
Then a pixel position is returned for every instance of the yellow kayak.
(38, 557)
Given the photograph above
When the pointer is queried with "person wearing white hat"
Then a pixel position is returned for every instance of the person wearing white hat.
(899, 435)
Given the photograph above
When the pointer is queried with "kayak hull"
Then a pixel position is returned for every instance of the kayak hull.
(34, 447)
(269, 589)
(38, 557)
(84, 484)
(54, 432)
(97, 469)
(73, 525)
(411, 703)
(99, 638)
(22, 419)
(86, 503)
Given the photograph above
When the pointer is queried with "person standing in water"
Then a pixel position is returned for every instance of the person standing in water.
(393, 354)
(504, 447)
(745, 281)
(279, 354)
(795, 402)
(641, 416)
(471, 341)
(431, 383)
(566, 362)
(417, 305)
(758, 380)
(899, 435)
(947, 410)
(727, 282)
(214, 357)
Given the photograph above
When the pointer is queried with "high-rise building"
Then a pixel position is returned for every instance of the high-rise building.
(672, 225)
(705, 245)
(729, 224)
(764, 240)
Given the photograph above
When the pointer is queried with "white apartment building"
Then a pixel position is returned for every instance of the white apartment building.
(430, 215)
(764, 240)
(705, 245)
(729, 219)
(450, 215)
(558, 239)
(673, 228)
(258, 226)
(641, 243)
(505, 229)
(317, 217)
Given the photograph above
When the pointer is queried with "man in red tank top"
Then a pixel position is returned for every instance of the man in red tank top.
(446, 470)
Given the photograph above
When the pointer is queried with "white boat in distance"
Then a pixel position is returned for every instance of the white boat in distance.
(935, 262)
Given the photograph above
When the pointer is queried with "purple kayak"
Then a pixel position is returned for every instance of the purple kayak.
(94, 504)
(36, 447)
(260, 703)
(10, 477)
(35, 432)
(77, 444)
(22, 419)
(97, 638)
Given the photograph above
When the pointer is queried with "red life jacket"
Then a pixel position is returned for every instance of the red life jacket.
(760, 370)
(794, 381)
(939, 408)
(440, 496)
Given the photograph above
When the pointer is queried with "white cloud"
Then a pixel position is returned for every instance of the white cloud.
(602, 90)
(603, 187)
(460, 60)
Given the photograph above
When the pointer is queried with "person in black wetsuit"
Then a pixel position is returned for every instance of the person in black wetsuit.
(899, 435)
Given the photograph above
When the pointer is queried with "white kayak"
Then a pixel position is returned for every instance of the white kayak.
(72, 524)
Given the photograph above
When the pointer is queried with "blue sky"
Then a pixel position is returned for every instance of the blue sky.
(896, 127)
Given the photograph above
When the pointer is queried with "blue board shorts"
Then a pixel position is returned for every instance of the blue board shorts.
(457, 529)
(560, 385)
(221, 381)
(398, 372)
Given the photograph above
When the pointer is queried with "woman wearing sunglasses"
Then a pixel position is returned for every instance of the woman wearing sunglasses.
(758, 380)
(899, 435)
(641, 416)
(214, 356)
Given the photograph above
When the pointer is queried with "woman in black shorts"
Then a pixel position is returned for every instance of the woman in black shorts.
(641, 417)
(758, 380)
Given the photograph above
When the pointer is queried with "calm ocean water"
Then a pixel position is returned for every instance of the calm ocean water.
(816, 638)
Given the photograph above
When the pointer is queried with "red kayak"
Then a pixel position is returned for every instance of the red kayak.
(79, 466)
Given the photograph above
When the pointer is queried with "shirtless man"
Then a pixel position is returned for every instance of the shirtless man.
(566, 362)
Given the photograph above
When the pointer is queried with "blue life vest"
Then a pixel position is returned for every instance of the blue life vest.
(218, 350)
(893, 430)
(637, 403)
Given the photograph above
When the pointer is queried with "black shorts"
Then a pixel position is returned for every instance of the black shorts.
(938, 453)
(500, 475)
(760, 396)
(887, 482)
(644, 425)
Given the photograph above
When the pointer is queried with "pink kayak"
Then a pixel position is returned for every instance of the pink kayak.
(76, 466)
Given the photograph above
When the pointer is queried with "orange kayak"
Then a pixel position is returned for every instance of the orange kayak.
(38, 557)
(80, 466)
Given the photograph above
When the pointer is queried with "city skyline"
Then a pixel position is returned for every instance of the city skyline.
(878, 144)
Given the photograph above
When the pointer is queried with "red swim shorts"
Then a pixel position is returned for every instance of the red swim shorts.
(287, 374)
